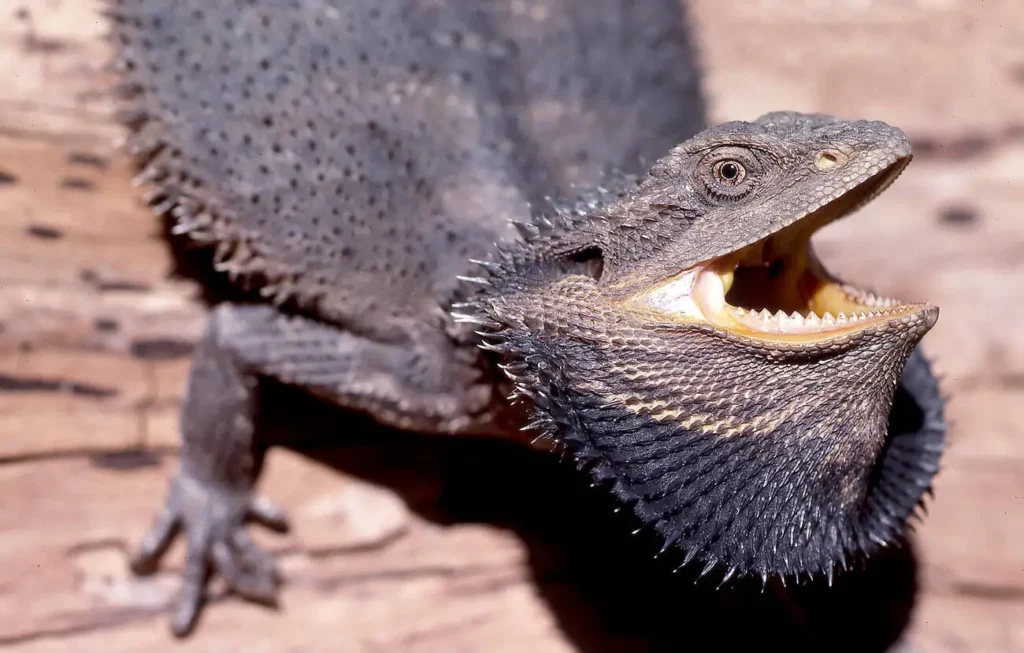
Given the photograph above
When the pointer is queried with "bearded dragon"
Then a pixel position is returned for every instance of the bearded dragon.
(378, 176)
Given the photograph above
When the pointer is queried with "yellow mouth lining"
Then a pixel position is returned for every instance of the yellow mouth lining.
(790, 298)
(776, 289)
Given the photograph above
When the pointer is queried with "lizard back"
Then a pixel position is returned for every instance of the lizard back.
(352, 156)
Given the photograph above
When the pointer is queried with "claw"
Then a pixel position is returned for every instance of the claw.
(214, 524)
(254, 555)
(155, 543)
(193, 595)
(269, 514)
(257, 584)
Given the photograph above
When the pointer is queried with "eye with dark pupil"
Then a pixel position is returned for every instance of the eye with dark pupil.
(730, 173)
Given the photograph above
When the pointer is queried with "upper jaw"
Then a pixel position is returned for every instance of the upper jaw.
(776, 290)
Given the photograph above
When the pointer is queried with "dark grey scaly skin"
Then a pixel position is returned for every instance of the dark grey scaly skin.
(349, 160)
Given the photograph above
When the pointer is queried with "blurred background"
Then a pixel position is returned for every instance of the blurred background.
(405, 543)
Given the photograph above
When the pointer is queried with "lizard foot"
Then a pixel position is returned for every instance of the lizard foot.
(213, 521)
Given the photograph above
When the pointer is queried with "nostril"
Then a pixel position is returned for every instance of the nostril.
(829, 160)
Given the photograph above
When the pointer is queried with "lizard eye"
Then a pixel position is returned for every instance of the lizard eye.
(730, 173)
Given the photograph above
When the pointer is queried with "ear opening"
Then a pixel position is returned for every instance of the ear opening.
(588, 261)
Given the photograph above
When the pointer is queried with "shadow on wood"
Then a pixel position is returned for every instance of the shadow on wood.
(603, 584)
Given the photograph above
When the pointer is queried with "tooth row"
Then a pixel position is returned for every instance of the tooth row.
(869, 298)
(780, 322)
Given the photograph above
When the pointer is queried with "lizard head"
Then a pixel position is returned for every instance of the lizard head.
(682, 339)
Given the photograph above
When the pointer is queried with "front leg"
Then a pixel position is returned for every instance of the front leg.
(211, 496)
(424, 383)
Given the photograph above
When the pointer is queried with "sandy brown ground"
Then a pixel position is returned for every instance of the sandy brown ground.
(387, 554)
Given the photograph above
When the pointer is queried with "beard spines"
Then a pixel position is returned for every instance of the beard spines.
(723, 501)
(752, 503)
(910, 462)
(701, 502)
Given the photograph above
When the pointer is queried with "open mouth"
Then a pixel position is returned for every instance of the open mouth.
(776, 289)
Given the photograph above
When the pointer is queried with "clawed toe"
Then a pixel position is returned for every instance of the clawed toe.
(249, 573)
(254, 579)
(155, 543)
(213, 524)
(268, 513)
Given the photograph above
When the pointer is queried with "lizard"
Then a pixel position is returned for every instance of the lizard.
(512, 218)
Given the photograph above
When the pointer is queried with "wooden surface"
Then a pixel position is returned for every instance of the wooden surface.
(412, 544)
